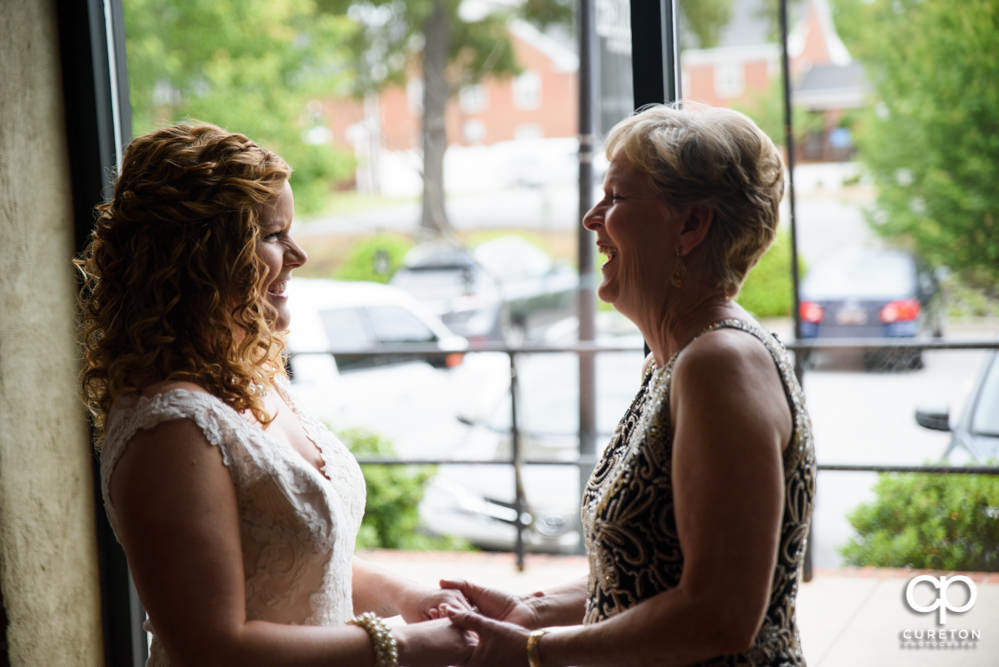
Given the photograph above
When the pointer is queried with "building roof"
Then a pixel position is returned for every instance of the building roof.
(562, 54)
(749, 33)
(796, 38)
(829, 86)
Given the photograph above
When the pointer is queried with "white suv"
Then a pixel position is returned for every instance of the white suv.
(410, 399)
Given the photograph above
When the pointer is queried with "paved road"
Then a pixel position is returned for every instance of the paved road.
(867, 418)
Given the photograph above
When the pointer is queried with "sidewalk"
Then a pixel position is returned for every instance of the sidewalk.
(847, 617)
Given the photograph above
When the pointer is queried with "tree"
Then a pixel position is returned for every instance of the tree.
(457, 46)
(931, 141)
(452, 51)
(701, 22)
(251, 66)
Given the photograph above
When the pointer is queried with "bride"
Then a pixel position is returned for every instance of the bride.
(237, 512)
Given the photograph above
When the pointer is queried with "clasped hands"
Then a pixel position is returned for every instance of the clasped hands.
(492, 625)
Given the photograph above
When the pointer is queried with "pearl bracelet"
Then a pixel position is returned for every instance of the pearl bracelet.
(386, 653)
(534, 647)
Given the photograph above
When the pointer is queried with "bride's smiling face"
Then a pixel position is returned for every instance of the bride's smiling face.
(279, 253)
(638, 233)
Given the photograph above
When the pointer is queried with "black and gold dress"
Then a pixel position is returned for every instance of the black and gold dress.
(629, 524)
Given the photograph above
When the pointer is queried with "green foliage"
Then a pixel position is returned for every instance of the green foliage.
(767, 291)
(385, 36)
(703, 21)
(250, 66)
(375, 259)
(931, 142)
(391, 515)
(927, 521)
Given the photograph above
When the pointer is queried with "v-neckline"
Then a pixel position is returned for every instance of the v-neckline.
(285, 444)
(286, 401)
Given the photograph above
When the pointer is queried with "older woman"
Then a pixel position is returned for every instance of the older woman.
(237, 513)
(696, 516)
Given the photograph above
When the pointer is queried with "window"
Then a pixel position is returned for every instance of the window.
(345, 328)
(527, 90)
(391, 325)
(414, 95)
(728, 79)
(474, 131)
(473, 98)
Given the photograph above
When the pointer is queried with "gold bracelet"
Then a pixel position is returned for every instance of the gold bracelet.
(386, 651)
(534, 647)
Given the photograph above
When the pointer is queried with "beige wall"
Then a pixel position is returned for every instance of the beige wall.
(48, 568)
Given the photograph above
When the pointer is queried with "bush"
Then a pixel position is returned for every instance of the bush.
(375, 259)
(928, 521)
(767, 291)
(391, 515)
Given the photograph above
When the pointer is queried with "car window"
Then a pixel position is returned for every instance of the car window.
(437, 282)
(985, 421)
(345, 328)
(394, 325)
(513, 259)
(861, 276)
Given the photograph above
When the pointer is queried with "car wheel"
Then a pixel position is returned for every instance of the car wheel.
(873, 361)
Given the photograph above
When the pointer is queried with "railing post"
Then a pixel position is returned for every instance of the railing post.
(517, 460)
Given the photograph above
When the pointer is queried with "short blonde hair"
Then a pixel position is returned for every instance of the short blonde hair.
(716, 158)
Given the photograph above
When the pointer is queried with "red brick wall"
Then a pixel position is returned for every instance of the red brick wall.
(556, 115)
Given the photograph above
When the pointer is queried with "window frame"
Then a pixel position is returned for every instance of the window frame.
(98, 126)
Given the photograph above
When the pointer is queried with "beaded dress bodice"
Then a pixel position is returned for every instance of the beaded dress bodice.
(630, 527)
(297, 524)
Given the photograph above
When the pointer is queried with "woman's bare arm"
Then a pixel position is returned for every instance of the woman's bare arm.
(178, 521)
(731, 423)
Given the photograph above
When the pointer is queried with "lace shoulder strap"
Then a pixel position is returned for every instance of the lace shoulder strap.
(213, 417)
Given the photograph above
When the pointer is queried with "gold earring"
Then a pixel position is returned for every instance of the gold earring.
(679, 271)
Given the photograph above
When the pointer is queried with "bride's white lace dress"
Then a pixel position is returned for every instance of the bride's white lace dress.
(297, 526)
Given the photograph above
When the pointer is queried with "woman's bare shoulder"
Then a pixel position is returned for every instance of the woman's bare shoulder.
(720, 349)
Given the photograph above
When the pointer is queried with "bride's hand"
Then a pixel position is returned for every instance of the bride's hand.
(496, 642)
(422, 604)
(433, 644)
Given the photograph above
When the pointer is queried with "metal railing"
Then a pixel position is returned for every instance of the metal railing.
(521, 520)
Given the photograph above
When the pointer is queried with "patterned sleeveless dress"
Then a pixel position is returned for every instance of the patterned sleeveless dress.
(630, 494)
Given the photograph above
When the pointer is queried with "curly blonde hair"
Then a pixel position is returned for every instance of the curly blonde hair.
(172, 286)
(716, 158)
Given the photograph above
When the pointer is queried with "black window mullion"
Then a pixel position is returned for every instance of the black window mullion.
(98, 125)
(655, 57)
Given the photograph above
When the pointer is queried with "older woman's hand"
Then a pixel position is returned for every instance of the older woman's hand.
(500, 644)
(496, 604)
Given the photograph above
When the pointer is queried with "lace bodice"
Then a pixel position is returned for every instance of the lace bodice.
(630, 527)
(297, 526)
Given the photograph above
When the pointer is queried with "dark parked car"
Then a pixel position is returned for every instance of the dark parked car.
(872, 293)
(975, 433)
(496, 292)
